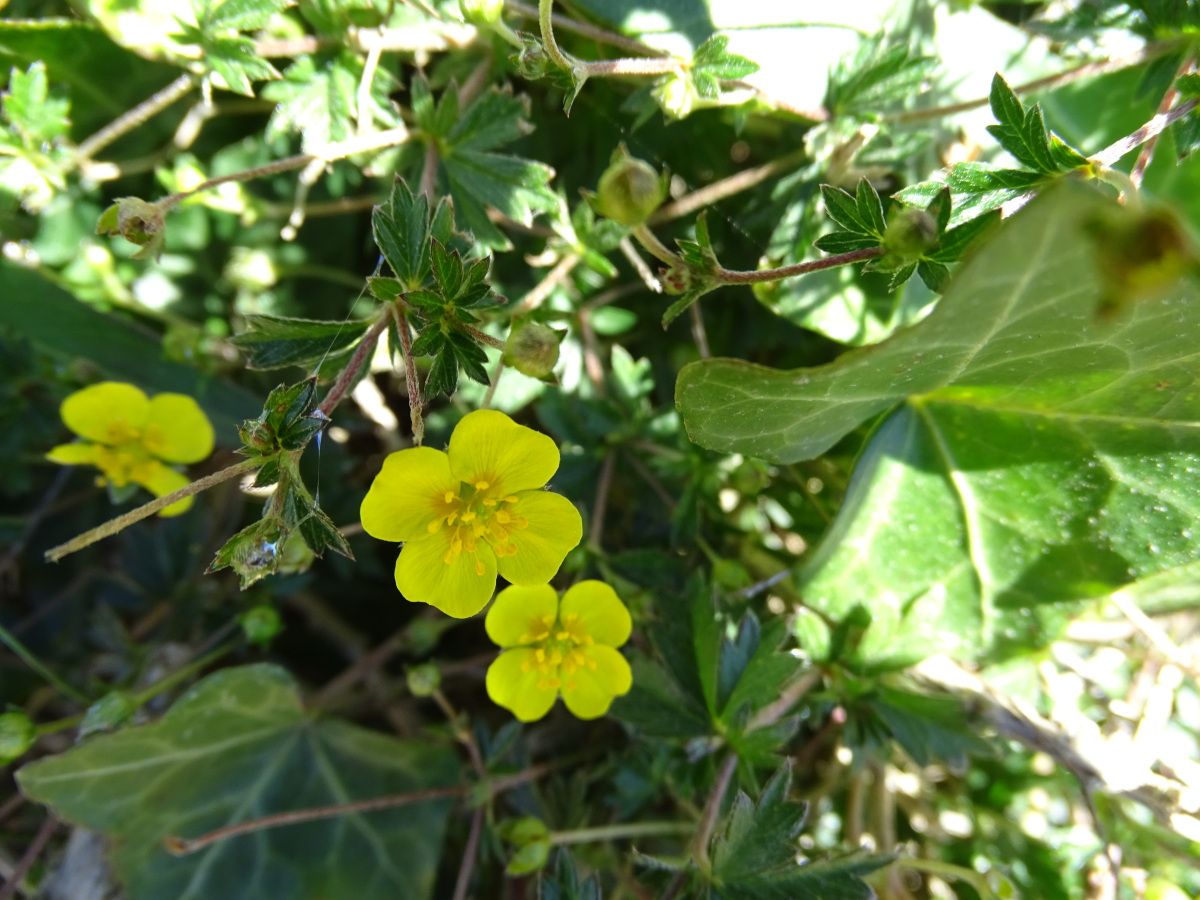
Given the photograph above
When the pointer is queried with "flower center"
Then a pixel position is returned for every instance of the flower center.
(558, 652)
(477, 512)
(123, 464)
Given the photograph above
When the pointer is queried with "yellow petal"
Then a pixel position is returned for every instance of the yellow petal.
(177, 429)
(554, 530)
(400, 504)
(75, 454)
(601, 612)
(110, 412)
(517, 690)
(424, 576)
(161, 480)
(517, 610)
(589, 692)
(489, 446)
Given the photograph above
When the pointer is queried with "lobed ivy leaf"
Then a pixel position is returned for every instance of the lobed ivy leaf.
(755, 857)
(1041, 450)
(238, 746)
(273, 342)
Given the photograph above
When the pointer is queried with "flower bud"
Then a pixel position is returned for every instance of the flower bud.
(481, 13)
(260, 624)
(630, 190)
(532, 62)
(423, 680)
(17, 734)
(910, 234)
(532, 349)
(676, 95)
(138, 222)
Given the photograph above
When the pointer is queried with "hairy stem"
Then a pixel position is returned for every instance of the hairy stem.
(364, 349)
(726, 187)
(712, 810)
(120, 523)
(183, 846)
(1152, 129)
(589, 31)
(656, 248)
(546, 23)
(617, 832)
(1138, 172)
(727, 276)
(130, 120)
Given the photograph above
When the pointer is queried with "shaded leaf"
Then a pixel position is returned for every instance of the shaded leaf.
(238, 746)
(273, 341)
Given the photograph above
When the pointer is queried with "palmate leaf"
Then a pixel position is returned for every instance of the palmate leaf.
(1042, 452)
(470, 170)
(235, 747)
(712, 63)
(755, 858)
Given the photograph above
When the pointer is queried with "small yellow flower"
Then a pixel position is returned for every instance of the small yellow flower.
(553, 648)
(472, 512)
(131, 437)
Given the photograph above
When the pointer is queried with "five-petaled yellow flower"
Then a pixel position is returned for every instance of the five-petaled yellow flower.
(472, 512)
(554, 648)
(131, 437)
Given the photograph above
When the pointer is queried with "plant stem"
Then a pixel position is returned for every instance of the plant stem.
(725, 276)
(330, 152)
(726, 187)
(546, 23)
(26, 656)
(17, 874)
(120, 523)
(130, 120)
(617, 832)
(589, 31)
(656, 248)
(712, 809)
(183, 846)
(463, 883)
(1138, 172)
(365, 347)
(483, 337)
(415, 401)
(1152, 129)
(1085, 70)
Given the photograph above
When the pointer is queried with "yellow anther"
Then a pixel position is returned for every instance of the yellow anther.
(481, 485)
(468, 516)
(450, 497)
(434, 527)
(490, 501)
(502, 517)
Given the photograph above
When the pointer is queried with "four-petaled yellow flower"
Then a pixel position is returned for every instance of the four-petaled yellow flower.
(471, 512)
(131, 437)
(554, 648)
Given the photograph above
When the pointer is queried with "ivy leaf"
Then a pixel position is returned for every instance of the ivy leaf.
(1037, 404)
(238, 746)
(273, 342)
(712, 63)
(470, 170)
(755, 858)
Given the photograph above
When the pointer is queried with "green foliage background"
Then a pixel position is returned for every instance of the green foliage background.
(910, 544)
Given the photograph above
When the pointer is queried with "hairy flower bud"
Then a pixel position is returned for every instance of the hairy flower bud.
(17, 735)
(138, 222)
(481, 13)
(630, 190)
(911, 233)
(676, 95)
(423, 680)
(532, 349)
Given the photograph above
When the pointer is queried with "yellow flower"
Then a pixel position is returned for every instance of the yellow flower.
(471, 512)
(131, 437)
(553, 648)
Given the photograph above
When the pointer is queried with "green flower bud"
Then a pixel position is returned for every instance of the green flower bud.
(260, 624)
(630, 190)
(481, 13)
(676, 95)
(910, 234)
(532, 62)
(108, 713)
(138, 222)
(532, 349)
(423, 680)
(17, 734)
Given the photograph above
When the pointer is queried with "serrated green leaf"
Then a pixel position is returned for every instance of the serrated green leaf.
(237, 746)
(317, 98)
(1040, 456)
(443, 374)
(843, 209)
(875, 77)
(712, 63)
(401, 230)
(242, 15)
(236, 61)
(844, 242)
(273, 341)
(29, 109)
(447, 271)
(870, 208)
(1188, 85)
(934, 274)
(755, 858)
(1022, 132)
(955, 242)
(320, 534)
